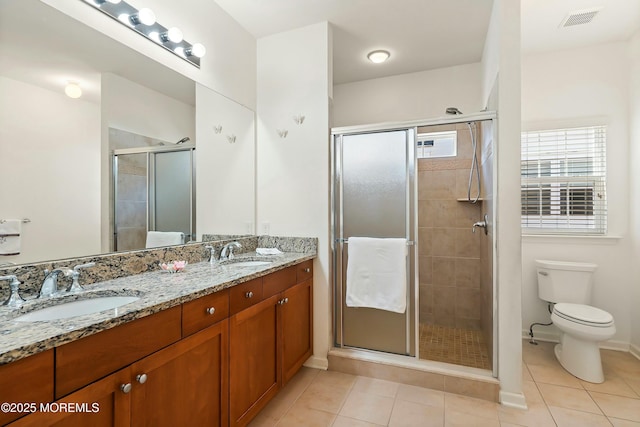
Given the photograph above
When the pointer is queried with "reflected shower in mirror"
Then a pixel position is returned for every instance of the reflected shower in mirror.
(54, 150)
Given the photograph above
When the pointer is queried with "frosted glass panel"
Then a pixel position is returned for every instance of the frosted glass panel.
(172, 191)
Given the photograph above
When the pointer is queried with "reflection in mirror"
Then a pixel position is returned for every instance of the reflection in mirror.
(56, 159)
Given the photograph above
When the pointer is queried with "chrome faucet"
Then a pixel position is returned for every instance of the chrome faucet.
(227, 250)
(212, 253)
(75, 275)
(14, 300)
(49, 286)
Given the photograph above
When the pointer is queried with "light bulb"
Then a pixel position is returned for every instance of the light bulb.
(73, 90)
(378, 56)
(180, 51)
(155, 36)
(144, 16)
(173, 34)
(198, 50)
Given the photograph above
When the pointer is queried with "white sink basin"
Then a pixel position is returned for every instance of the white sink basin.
(249, 263)
(75, 308)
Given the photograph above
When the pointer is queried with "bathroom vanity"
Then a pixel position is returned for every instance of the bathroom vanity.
(209, 346)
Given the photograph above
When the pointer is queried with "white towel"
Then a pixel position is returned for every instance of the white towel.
(164, 238)
(10, 230)
(377, 273)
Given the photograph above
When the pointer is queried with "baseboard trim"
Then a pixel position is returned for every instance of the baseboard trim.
(541, 336)
(317, 363)
(513, 400)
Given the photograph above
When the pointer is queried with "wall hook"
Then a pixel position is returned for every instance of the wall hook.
(283, 133)
(299, 119)
(231, 139)
(217, 129)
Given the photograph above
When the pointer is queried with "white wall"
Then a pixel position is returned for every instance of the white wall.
(41, 157)
(128, 106)
(293, 172)
(225, 178)
(420, 95)
(634, 189)
(501, 91)
(229, 67)
(578, 87)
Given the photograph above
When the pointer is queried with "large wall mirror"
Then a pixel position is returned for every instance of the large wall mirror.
(56, 151)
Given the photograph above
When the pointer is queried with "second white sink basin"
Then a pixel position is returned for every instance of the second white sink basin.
(76, 308)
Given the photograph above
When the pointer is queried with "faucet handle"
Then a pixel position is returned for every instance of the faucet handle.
(14, 300)
(87, 265)
(75, 275)
(212, 253)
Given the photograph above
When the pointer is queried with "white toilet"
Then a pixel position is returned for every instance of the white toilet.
(568, 284)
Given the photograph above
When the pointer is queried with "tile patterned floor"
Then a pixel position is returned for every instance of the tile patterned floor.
(454, 345)
(555, 398)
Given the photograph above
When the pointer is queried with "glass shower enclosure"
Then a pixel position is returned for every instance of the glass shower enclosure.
(153, 190)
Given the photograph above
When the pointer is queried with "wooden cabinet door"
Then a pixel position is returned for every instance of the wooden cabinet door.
(297, 328)
(185, 384)
(100, 404)
(253, 360)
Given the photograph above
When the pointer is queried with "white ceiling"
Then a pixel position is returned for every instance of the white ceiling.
(428, 34)
(617, 21)
(420, 34)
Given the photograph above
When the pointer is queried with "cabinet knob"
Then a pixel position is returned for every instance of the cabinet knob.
(211, 310)
(286, 300)
(307, 270)
(141, 378)
(249, 294)
(126, 388)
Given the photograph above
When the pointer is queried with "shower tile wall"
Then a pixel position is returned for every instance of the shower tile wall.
(450, 264)
(132, 202)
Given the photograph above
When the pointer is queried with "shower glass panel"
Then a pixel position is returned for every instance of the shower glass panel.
(170, 192)
(373, 189)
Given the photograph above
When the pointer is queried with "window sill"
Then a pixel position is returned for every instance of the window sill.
(571, 239)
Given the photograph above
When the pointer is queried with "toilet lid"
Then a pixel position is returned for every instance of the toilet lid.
(583, 314)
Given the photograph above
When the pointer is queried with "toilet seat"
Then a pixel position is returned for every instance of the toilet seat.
(584, 315)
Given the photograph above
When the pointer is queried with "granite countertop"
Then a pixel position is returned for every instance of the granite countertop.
(157, 291)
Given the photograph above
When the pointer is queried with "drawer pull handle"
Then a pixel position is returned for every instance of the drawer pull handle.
(248, 295)
(141, 378)
(307, 270)
(126, 388)
(211, 310)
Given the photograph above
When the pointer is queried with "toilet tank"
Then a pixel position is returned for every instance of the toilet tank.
(563, 281)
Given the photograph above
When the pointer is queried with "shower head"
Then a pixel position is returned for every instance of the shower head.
(453, 110)
(183, 140)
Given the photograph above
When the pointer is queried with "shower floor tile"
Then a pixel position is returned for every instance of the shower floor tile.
(465, 347)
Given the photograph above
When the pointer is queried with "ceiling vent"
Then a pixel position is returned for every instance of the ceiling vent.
(579, 17)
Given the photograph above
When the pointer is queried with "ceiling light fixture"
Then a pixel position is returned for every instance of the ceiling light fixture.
(144, 22)
(378, 56)
(73, 90)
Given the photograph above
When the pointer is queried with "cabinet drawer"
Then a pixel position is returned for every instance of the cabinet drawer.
(277, 282)
(88, 359)
(245, 295)
(205, 311)
(28, 380)
(304, 271)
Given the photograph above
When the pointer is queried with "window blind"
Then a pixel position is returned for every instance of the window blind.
(563, 181)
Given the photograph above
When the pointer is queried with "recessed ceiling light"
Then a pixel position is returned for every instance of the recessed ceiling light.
(378, 56)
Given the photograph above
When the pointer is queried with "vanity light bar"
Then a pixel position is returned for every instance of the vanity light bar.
(130, 17)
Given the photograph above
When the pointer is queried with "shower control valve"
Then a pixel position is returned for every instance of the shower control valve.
(482, 224)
